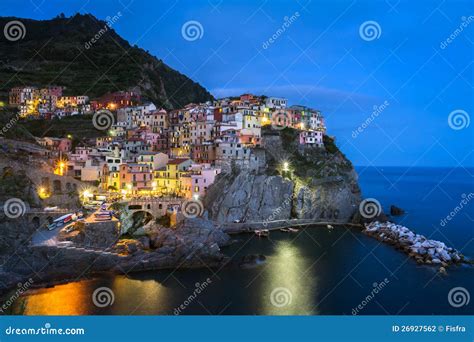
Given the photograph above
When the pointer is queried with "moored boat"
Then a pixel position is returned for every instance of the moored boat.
(262, 233)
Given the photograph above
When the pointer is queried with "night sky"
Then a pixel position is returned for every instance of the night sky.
(323, 59)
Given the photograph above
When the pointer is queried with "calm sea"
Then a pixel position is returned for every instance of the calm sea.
(316, 271)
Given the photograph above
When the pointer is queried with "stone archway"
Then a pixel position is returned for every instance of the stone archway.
(36, 222)
(140, 218)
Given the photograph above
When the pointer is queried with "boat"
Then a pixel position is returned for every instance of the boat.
(61, 221)
(103, 215)
(293, 230)
(262, 233)
(286, 230)
(330, 227)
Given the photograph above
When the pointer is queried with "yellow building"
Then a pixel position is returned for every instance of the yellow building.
(173, 180)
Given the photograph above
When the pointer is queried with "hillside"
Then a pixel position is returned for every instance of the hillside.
(53, 52)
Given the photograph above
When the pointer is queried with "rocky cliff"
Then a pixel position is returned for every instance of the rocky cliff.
(296, 182)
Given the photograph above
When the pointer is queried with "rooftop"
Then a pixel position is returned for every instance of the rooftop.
(177, 161)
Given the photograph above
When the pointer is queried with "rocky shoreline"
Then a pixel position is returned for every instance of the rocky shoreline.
(422, 249)
(194, 243)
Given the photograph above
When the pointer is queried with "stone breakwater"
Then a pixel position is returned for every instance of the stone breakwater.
(422, 249)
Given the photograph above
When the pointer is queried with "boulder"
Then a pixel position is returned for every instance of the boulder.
(396, 211)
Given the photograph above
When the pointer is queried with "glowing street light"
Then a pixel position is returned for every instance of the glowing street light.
(60, 167)
(286, 166)
(43, 193)
(86, 195)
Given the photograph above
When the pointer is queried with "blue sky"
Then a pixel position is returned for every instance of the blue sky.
(321, 60)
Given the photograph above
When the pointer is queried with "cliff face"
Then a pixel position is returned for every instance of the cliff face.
(249, 197)
(318, 183)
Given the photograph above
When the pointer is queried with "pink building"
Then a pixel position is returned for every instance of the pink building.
(64, 145)
(202, 176)
(135, 177)
(56, 144)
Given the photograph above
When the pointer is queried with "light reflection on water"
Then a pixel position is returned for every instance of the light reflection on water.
(76, 298)
(67, 299)
(287, 276)
(325, 272)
